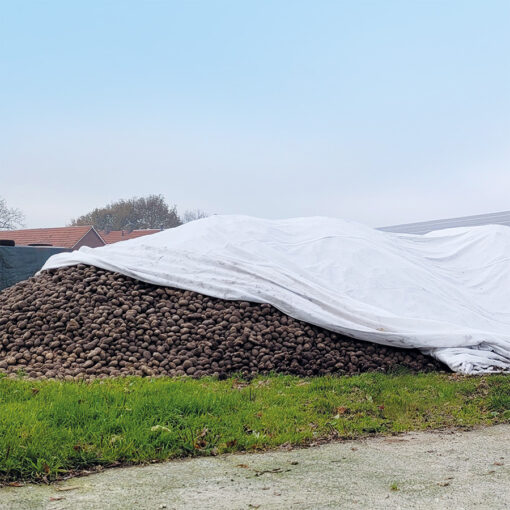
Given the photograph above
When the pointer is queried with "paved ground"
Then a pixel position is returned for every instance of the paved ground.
(460, 470)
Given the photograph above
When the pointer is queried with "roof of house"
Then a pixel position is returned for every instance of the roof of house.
(114, 236)
(62, 237)
(422, 227)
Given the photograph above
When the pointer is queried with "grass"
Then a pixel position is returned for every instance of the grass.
(50, 428)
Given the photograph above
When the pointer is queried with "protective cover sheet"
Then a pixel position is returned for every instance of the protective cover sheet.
(446, 292)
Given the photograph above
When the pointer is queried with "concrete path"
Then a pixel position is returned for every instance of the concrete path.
(455, 470)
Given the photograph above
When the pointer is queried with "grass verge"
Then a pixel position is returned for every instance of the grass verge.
(50, 428)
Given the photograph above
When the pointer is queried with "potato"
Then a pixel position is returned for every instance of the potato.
(83, 322)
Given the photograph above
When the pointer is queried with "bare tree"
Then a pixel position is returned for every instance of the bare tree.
(193, 214)
(10, 217)
(134, 213)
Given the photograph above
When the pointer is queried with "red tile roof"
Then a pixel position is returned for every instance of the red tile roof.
(114, 236)
(62, 237)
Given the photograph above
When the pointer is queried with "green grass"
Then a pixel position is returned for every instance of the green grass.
(48, 428)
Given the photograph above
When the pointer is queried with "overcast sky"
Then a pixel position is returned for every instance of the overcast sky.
(382, 112)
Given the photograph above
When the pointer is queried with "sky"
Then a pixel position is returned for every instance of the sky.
(382, 112)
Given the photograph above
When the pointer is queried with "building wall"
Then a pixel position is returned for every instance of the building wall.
(90, 239)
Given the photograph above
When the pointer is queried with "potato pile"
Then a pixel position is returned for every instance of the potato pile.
(82, 321)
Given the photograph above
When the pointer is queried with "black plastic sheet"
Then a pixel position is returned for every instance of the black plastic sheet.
(18, 263)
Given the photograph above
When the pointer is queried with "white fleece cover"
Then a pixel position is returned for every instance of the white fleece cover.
(446, 292)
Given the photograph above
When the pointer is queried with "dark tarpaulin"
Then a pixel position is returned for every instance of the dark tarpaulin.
(18, 263)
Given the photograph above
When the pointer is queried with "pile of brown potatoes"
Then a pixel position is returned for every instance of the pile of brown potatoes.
(85, 322)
